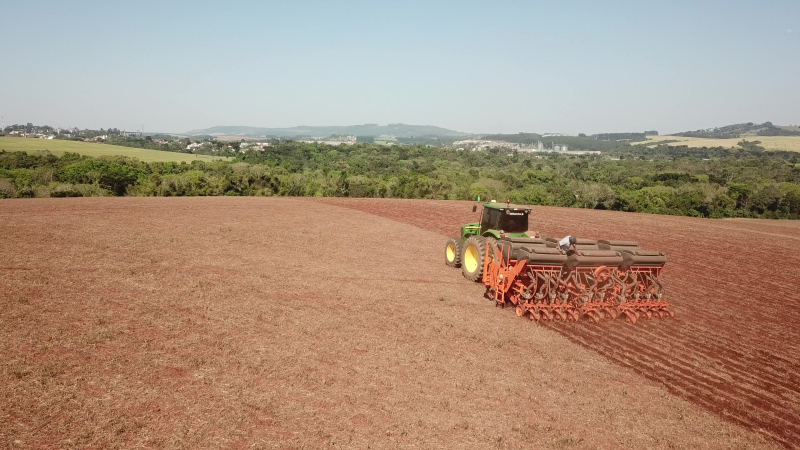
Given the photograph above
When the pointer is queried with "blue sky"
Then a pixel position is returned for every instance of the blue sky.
(472, 66)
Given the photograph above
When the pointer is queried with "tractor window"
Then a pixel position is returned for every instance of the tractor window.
(491, 219)
(514, 222)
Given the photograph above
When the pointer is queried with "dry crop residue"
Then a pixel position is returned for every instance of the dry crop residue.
(733, 349)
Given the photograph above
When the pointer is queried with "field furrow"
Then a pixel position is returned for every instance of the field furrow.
(713, 395)
(670, 367)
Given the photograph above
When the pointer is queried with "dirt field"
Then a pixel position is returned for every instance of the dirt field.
(294, 323)
(734, 348)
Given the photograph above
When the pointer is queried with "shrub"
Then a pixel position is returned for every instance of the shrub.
(41, 192)
(7, 189)
(112, 176)
(78, 190)
(64, 190)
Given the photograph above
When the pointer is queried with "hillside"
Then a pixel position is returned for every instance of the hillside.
(778, 143)
(741, 130)
(393, 129)
(59, 147)
(772, 137)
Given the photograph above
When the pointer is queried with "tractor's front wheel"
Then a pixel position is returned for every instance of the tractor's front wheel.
(452, 252)
(472, 257)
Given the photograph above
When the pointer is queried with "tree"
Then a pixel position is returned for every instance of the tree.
(593, 195)
(108, 175)
(791, 203)
(767, 199)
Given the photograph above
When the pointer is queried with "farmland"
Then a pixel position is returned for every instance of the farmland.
(59, 147)
(787, 143)
(287, 322)
(733, 349)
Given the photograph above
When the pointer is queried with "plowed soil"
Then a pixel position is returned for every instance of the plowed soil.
(734, 348)
(294, 323)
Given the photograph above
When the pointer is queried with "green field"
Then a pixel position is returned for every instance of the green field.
(58, 147)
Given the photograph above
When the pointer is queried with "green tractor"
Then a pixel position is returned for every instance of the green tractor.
(498, 220)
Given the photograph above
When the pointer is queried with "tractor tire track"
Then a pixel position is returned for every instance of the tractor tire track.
(698, 389)
(684, 369)
(721, 354)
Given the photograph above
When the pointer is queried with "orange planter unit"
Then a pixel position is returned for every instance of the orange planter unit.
(598, 280)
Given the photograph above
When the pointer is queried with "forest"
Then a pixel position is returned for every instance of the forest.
(709, 182)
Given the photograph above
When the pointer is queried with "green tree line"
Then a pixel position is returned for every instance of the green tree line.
(664, 180)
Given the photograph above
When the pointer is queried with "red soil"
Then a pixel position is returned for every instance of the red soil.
(734, 348)
(290, 323)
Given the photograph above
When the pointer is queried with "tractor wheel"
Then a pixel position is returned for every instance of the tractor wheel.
(472, 257)
(452, 252)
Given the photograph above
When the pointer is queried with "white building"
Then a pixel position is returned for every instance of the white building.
(193, 146)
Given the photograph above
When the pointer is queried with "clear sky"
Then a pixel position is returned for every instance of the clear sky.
(490, 66)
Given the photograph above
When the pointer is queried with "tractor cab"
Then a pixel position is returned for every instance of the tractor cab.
(499, 220)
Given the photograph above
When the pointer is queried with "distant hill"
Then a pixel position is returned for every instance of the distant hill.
(370, 129)
(740, 130)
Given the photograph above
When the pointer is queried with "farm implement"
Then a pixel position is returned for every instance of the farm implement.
(547, 279)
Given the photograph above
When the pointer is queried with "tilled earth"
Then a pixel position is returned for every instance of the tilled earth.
(734, 348)
(298, 323)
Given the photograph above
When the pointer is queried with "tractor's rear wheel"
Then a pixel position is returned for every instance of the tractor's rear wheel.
(472, 258)
(452, 252)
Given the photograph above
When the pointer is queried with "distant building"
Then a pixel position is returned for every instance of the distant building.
(193, 146)
(332, 140)
(480, 144)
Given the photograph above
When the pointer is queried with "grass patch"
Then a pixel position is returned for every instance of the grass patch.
(59, 147)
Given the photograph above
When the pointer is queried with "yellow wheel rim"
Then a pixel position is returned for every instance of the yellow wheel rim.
(471, 259)
(451, 252)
